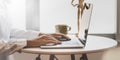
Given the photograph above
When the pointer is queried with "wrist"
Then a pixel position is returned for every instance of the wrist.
(30, 43)
(33, 43)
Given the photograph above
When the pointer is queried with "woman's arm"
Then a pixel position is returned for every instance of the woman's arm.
(30, 34)
(12, 46)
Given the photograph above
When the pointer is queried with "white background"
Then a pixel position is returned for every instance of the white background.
(17, 14)
(61, 12)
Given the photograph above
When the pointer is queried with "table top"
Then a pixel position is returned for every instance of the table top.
(94, 44)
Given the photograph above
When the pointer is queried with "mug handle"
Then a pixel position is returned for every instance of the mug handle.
(69, 28)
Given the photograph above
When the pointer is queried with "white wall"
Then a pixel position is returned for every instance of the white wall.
(16, 12)
(32, 15)
(62, 12)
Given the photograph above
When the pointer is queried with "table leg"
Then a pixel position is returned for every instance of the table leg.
(72, 57)
(52, 56)
(38, 57)
(84, 57)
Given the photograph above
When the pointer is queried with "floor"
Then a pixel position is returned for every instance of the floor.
(113, 54)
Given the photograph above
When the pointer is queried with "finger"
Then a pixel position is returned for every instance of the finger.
(56, 36)
(66, 37)
(53, 41)
(59, 36)
(57, 41)
(48, 37)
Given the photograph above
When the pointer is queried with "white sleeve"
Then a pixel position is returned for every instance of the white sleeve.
(13, 46)
(26, 34)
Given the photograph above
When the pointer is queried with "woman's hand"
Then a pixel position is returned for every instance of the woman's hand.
(42, 40)
(59, 36)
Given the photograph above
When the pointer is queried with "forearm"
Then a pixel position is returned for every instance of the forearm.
(13, 45)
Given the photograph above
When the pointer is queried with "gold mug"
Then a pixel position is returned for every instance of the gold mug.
(61, 28)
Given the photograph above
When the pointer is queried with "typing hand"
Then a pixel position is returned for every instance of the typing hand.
(60, 37)
(42, 40)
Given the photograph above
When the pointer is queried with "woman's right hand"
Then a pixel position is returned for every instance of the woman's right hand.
(42, 40)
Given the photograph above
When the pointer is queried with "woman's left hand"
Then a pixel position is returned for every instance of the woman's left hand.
(59, 36)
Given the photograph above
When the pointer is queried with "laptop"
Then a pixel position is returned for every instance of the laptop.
(76, 42)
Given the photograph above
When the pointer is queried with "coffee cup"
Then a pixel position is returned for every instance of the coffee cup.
(62, 28)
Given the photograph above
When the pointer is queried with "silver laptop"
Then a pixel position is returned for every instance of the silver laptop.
(76, 42)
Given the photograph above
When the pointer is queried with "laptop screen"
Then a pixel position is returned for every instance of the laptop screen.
(85, 22)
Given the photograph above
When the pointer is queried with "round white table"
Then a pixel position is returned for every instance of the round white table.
(94, 44)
